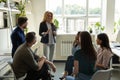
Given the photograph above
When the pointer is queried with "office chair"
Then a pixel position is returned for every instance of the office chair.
(11, 75)
(102, 75)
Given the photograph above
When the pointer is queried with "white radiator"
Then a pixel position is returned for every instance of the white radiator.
(63, 46)
(66, 47)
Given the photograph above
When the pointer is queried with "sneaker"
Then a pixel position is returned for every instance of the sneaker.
(61, 78)
(51, 75)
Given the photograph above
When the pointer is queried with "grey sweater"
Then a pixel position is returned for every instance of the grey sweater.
(24, 61)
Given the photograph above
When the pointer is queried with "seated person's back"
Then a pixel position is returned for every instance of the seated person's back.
(85, 58)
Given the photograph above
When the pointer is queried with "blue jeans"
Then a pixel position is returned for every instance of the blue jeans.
(81, 76)
(69, 64)
(70, 78)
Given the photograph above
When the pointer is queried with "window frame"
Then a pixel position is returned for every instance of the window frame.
(84, 17)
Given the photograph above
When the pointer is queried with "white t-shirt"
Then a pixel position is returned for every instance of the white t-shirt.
(51, 40)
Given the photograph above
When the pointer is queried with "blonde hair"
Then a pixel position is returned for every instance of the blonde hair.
(46, 15)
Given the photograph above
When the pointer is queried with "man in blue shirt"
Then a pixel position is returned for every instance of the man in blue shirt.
(18, 36)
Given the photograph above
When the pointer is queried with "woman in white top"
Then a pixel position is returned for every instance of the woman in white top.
(104, 51)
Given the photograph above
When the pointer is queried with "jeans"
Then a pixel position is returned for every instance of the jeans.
(69, 65)
(49, 51)
(81, 76)
(70, 78)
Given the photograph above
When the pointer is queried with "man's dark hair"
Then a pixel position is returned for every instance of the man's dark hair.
(30, 37)
(22, 20)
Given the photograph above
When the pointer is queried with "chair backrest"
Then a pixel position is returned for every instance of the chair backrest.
(14, 76)
(10, 64)
(10, 75)
(102, 75)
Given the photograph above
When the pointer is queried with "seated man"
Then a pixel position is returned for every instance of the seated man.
(25, 62)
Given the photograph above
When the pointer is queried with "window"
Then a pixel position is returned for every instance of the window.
(117, 16)
(1, 20)
(75, 7)
(94, 9)
(75, 15)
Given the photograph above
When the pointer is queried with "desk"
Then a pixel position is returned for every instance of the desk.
(116, 51)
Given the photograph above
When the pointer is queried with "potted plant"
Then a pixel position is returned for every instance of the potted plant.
(99, 27)
(90, 29)
(2, 3)
(116, 26)
(21, 7)
(56, 23)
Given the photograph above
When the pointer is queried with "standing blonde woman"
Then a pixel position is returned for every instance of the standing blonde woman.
(47, 31)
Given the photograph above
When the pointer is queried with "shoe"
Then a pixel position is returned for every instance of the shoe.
(61, 78)
(51, 75)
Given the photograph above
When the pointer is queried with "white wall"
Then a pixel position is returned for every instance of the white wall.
(38, 9)
(4, 41)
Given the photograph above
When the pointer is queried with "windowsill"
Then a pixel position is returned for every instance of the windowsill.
(64, 33)
(73, 33)
(4, 28)
(6, 52)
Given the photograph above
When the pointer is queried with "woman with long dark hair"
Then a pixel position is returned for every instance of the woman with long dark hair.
(104, 51)
(85, 58)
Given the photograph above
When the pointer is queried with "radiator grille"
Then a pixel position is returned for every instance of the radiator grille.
(66, 47)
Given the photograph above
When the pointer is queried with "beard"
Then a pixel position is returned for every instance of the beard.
(24, 27)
